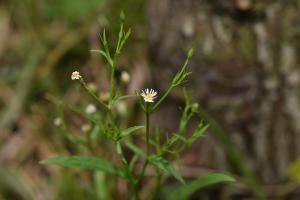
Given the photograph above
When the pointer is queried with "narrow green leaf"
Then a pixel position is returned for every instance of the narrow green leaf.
(166, 166)
(130, 130)
(104, 41)
(124, 39)
(95, 132)
(127, 34)
(190, 53)
(176, 78)
(133, 162)
(136, 150)
(101, 185)
(119, 148)
(84, 162)
(198, 133)
(106, 52)
(106, 55)
(180, 137)
(185, 191)
(121, 32)
(120, 152)
(140, 101)
(75, 139)
(117, 98)
(103, 53)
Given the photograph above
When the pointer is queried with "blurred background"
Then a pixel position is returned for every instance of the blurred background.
(246, 78)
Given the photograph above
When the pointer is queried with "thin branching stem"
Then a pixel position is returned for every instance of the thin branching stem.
(93, 94)
(142, 174)
(147, 129)
(112, 82)
(158, 182)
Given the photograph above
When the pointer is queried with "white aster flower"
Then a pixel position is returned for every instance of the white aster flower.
(75, 75)
(149, 95)
(90, 109)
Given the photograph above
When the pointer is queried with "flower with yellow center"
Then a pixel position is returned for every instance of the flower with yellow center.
(149, 95)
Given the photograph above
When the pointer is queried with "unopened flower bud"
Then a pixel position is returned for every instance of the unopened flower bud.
(90, 109)
(57, 121)
(125, 77)
(195, 107)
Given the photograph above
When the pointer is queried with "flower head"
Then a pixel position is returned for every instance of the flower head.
(90, 109)
(75, 75)
(149, 95)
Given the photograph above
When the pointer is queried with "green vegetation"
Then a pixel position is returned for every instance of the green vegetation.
(106, 124)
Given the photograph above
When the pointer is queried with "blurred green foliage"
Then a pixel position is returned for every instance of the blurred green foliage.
(69, 10)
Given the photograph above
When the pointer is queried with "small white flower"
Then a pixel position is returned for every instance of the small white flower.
(75, 75)
(149, 95)
(125, 77)
(57, 121)
(90, 109)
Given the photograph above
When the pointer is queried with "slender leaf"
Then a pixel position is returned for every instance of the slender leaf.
(104, 54)
(133, 162)
(185, 191)
(84, 162)
(136, 149)
(130, 130)
(198, 133)
(117, 98)
(120, 152)
(95, 132)
(75, 139)
(139, 99)
(166, 166)
(101, 185)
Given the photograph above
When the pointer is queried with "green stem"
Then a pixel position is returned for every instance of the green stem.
(141, 176)
(147, 129)
(158, 181)
(112, 82)
(92, 94)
